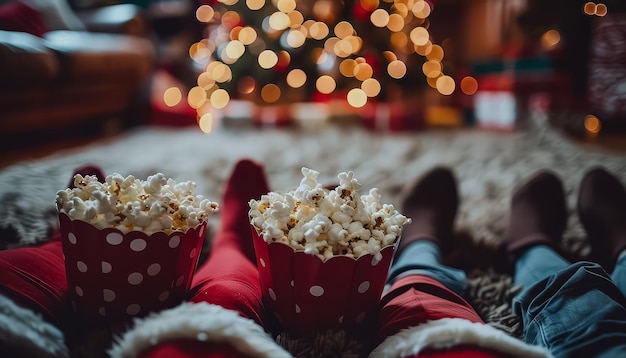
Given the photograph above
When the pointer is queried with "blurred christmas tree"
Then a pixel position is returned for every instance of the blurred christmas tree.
(283, 51)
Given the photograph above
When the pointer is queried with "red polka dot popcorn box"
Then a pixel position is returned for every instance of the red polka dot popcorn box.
(131, 246)
(323, 255)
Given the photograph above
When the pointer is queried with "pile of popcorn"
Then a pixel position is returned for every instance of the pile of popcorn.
(328, 222)
(157, 204)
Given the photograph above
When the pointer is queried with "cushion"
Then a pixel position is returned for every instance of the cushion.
(19, 16)
(58, 15)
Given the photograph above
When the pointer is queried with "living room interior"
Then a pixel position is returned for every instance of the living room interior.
(495, 89)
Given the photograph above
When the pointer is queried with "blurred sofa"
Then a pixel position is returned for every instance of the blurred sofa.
(65, 71)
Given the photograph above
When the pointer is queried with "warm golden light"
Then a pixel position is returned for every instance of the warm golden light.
(379, 18)
(246, 85)
(286, 5)
(267, 59)
(295, 38)
(319, 30)
(235, 49)
(396, 23)
(205, 81)
(436, 53)
(270, 93)
(255, 4)
(343, 29)
(196, 97)
(219, 98)
(230, 19)
(601, 10)
(371, 87)
(296, 78)
(421, 9)
(219, 72)
(205, 13)
(296, 19)
(424, 50)
(550, 39)
(592, 124)
(363, 71)
(369, 5)
(589, 8)
(469, 85)
(206, 123)
(420, 36)
(357, 98)
(445, 85)
(432, 69)
(396, 69)
(347, 67)
(172, 96)
(325, 84)
(247, 35)
(279, 21)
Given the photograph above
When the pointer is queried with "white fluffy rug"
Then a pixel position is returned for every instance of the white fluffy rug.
(488, 166)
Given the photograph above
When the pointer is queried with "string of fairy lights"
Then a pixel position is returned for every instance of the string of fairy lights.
(340, 47)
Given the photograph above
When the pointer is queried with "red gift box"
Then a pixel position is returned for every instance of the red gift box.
(115, 275)
(308, 294)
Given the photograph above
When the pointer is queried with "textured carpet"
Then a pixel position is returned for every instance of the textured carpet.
(488, 166)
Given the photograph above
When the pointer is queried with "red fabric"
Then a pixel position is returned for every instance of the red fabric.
(457, 352)
(192, 349)
(229, 278)
(34, 277)
(19, 16)
(416, 299)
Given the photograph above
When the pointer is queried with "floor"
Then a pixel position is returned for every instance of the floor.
(615, 142)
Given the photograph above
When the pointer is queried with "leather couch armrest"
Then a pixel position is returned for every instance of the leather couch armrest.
(127, 19)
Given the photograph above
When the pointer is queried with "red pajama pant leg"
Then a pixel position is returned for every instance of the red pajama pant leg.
(229, 279)
(417, 299)
(34, 277)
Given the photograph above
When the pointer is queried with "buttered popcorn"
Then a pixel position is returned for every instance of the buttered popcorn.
(328, 223)
(126, 203)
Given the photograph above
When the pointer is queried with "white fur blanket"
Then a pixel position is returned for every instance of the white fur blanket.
(488, 166)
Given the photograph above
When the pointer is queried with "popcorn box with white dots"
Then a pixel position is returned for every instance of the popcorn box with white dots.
(308, 294)
(114, 276)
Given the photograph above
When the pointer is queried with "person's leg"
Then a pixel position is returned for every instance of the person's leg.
(602, 209)
(431, 205)
(226, 315)
(619, 273)
(571, 309)
(33, 286)
(229, 278)
(537, 221)
(420, 288)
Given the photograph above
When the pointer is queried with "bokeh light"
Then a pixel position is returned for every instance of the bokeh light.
(325, 84)
(270, 93)
(592, 124)
(357, 98)
(445, 85)
(469, 85)
(219, 98)
(296, 78)
(206, 123)
(172, 96)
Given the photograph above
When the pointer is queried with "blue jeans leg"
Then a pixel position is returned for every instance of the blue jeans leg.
(619, 274)
(575, 312)
(536, 263)
(423, 257)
